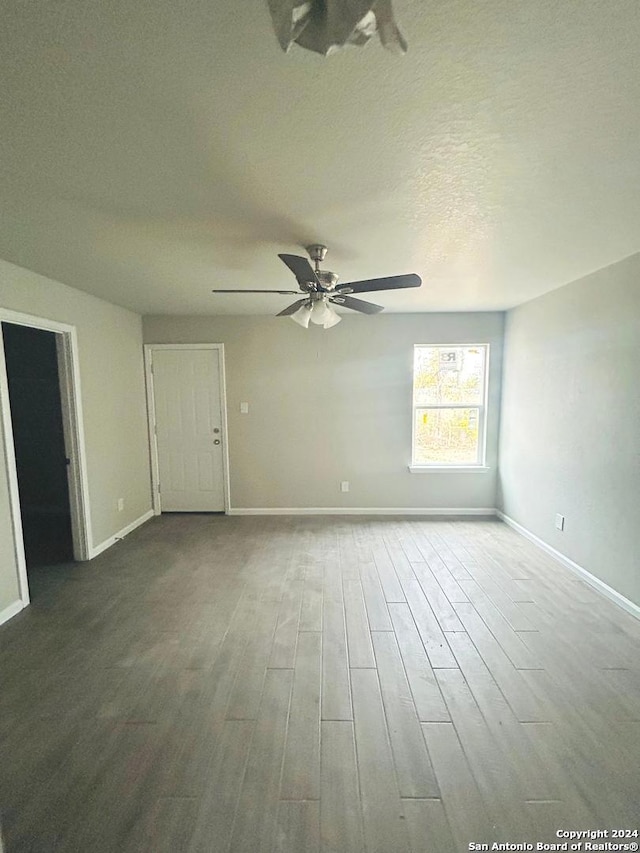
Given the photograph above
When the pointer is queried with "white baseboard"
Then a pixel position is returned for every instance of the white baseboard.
(98, 549)
(366, 510)
(11, 611)
(592, 580)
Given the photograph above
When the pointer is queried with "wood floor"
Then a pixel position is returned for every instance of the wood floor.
(306, 684)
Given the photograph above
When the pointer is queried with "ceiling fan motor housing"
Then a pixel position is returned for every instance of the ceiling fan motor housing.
(328, 280)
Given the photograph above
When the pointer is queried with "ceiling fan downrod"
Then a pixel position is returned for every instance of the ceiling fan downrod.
(317, 253)
(328, 280)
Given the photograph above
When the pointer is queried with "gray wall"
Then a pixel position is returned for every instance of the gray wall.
(335, 405)
(112, 379)
(570, 434)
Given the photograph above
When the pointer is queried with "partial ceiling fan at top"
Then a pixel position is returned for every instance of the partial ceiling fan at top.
(325, 26)
(322, 291)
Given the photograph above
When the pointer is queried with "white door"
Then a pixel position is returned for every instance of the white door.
(188, 421)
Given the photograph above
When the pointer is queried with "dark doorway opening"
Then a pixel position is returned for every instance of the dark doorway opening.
(38, 434)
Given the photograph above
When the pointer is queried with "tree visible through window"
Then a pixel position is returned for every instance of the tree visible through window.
(449, 404)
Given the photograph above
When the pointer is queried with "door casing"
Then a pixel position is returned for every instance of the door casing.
(70, 395)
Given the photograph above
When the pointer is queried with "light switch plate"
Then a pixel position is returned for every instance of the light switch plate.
(244, 408)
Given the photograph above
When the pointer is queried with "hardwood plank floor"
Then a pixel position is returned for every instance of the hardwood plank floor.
(331, 685)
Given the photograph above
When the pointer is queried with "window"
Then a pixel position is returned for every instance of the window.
(449, 406)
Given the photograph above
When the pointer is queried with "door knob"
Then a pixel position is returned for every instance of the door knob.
(216, 441)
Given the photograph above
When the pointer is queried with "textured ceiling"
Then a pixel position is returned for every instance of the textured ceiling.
(151, 150)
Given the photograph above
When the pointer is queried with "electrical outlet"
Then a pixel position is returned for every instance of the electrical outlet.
(344, 486)
(120, 504)
(559, 521)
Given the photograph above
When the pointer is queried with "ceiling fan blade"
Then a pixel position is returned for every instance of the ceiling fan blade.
(291, 309)
(301, 268)
(286, 292)
(393, 282)
(357, 304)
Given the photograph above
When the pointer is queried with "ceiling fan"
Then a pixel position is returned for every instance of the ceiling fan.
(322, 291)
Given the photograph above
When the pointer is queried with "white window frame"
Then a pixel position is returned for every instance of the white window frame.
(480, 465)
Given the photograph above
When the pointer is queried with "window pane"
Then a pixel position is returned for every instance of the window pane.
(446, 436)
(444, 375)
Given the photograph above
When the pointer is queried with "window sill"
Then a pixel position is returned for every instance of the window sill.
(448, 469)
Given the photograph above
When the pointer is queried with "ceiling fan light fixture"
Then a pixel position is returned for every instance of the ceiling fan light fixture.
(333, 319)
(320, 312)
(302, 316)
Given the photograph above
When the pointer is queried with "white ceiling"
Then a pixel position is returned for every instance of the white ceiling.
(151, 150)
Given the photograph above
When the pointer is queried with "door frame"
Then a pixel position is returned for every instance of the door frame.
(73, 427)
(151, 419)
